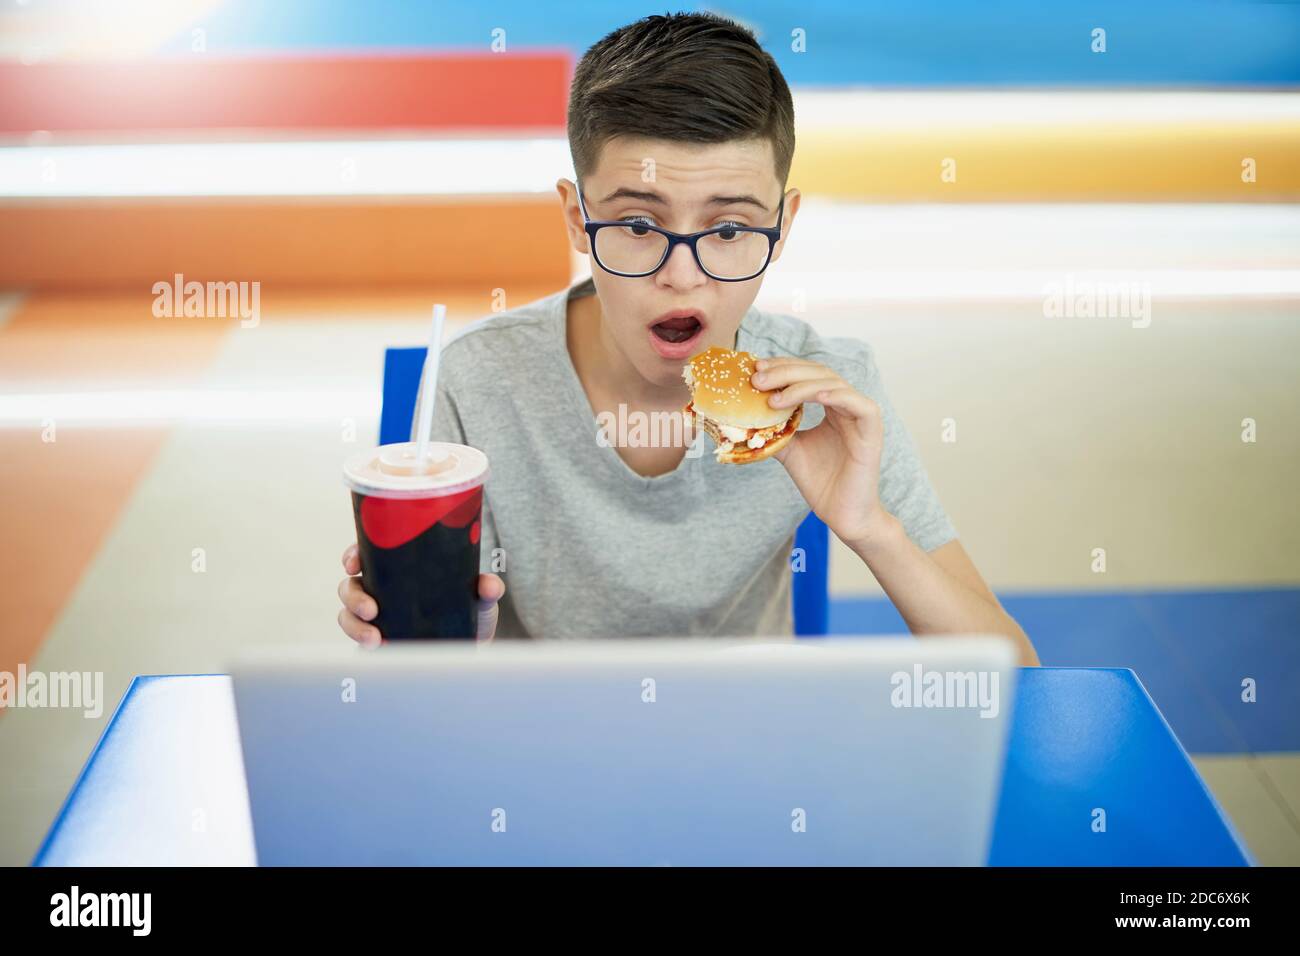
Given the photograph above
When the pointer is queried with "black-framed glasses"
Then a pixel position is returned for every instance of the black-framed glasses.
(634, 249)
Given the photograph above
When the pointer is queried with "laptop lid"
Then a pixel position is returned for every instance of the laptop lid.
(850, 751)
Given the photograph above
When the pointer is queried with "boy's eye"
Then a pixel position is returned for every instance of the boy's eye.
(728, 234)
(635, 227)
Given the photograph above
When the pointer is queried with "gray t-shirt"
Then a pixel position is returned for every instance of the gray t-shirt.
(592, 549)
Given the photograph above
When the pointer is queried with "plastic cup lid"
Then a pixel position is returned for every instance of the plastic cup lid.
(391, 471)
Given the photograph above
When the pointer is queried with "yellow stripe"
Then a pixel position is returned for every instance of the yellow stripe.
(1183, 162)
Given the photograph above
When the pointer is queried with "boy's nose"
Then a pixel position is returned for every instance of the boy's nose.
(681, 271)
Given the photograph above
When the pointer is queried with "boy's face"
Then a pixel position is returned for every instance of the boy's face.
(684, 188)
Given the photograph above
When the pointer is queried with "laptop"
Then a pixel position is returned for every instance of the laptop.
(628, 752)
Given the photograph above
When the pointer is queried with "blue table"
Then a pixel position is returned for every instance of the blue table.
(165, 784)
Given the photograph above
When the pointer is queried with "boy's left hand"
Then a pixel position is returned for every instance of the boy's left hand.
(836, 466)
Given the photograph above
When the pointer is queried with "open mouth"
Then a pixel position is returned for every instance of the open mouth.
(677, 330)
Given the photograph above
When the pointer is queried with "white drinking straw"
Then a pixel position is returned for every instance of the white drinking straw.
(430, 386)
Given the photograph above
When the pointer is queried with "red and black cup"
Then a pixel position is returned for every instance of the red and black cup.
(418, 530)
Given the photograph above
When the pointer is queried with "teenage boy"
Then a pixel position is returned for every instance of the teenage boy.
(680, 125)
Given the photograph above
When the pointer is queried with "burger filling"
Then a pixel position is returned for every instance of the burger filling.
(728, 436)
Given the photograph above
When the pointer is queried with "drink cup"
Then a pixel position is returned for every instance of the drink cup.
(418, 531)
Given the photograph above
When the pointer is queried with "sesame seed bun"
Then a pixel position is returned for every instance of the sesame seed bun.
(721, 390)
(722, 397)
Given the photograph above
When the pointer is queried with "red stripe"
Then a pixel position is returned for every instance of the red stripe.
(446, 91)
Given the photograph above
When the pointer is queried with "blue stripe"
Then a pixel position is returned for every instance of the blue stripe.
(846, 42)
(1192, 650)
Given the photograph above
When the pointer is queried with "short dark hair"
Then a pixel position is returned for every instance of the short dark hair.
(685, 77)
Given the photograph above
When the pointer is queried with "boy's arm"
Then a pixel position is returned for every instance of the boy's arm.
(870, 500)
(936, 592)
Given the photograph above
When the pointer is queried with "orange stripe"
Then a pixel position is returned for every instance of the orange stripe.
(445, 91)
(464, 304)
(105, 243)
(62, 499)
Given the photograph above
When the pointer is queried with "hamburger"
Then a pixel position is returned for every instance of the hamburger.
(731, 411)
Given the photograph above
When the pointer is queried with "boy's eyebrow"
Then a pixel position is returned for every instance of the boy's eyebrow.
(736, 200)
(651, 196)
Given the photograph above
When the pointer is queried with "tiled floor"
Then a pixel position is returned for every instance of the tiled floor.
(1071, 435)
(1260, 793)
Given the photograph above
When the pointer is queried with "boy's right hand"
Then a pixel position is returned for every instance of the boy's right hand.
(359, 608)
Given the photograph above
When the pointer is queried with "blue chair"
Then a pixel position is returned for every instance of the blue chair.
(402, 370)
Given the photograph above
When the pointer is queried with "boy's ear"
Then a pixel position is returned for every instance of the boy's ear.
(792, 198)
(572, 211)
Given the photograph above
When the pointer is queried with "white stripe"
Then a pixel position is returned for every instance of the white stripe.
(921, 285)
(861, 252)
(387, 167)
(856, 109)
(190, 407)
